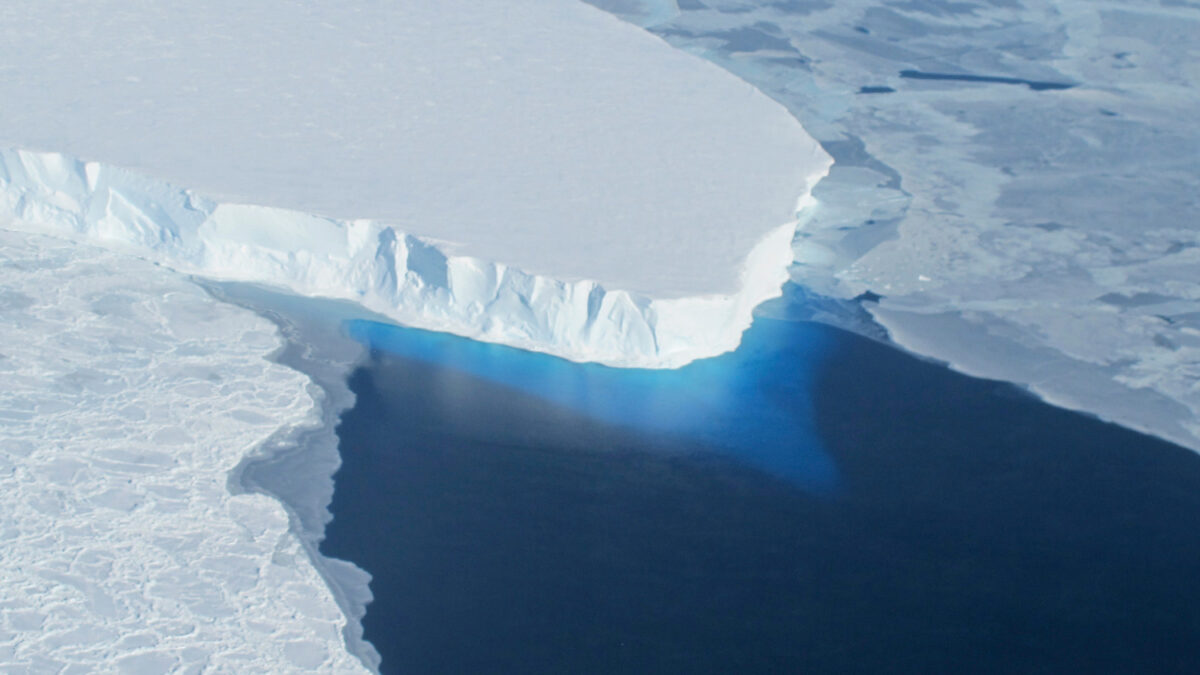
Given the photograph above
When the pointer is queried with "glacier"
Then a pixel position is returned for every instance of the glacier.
(273, 143)
(406, 278)
(536, 173)
(540, 174)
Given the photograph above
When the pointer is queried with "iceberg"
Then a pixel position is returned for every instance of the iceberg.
(535, 173)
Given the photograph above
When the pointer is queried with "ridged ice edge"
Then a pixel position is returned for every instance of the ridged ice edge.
(411, 280)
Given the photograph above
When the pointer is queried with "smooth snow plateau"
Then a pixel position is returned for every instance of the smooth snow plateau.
(534, 172)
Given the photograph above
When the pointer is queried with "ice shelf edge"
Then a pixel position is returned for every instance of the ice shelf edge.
(411, 280)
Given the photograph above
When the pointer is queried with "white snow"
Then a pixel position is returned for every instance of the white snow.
(534, 172)
(127, 397)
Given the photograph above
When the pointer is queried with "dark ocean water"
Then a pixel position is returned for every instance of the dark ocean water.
(814, 502)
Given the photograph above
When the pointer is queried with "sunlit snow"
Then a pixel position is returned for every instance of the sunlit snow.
(532, 172)
(1016, 181)
(126, 400)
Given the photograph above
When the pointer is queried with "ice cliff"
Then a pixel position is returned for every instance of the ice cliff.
(536, 173)
(405, 277)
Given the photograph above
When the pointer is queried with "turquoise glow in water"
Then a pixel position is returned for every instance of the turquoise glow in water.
(754, 404)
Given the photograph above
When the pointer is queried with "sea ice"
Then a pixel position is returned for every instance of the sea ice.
(1047, 235)
(128, 396)
(536, 173)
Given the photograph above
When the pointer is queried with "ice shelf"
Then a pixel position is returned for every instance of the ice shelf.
(533, 172)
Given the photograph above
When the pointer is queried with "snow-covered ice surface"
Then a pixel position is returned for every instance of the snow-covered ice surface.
(126, 400)
(297, 466)
(1018, 179)
(533, 172)
(1038, 224)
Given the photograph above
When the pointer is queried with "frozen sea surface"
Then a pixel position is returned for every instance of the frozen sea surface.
(126, 400)
(1016, 181)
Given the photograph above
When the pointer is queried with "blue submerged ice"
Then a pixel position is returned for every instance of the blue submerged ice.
(753, 404)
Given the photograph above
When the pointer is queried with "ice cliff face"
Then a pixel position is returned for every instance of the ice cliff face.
(534, 172)
(410, 279)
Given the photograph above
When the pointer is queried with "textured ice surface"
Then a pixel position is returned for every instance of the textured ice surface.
(127, 398)
(398, 275)
(1047, 235)
(297, 466)
(535, 172)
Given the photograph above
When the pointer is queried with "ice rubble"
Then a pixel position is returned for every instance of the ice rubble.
(531, 172)
(128, 396)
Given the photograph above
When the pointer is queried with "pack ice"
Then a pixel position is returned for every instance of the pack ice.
(126, 397)
(532, 172)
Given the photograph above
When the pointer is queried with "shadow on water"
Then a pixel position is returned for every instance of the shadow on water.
(1035, 85)
(754, 404)
(520, 516)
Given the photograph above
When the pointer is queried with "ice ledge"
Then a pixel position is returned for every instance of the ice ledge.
(409, 279)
